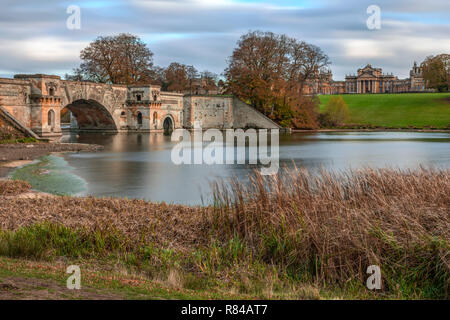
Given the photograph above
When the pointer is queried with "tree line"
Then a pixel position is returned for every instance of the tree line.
(126, 59)
(268, 71)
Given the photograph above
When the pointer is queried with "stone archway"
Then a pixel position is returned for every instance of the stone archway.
(168, 125)
(92, 116)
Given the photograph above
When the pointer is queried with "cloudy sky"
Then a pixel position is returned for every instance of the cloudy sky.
(34, 37)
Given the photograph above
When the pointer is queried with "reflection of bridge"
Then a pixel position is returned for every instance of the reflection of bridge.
(36, 101)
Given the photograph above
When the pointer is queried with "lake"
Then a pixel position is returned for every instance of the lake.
(140, 166)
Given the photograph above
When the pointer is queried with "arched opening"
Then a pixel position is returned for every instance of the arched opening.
(155, 117)
(88, 115)
(168, 126)
(139, 118)
(51, 92)
(51, 119)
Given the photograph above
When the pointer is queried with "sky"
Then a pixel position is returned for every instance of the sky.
(34, 37)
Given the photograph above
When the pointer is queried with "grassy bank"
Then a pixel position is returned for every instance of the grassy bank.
(293, 236)
(21, 140)
(409, 110)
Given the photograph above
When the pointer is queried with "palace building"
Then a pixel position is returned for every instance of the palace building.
(367, 80)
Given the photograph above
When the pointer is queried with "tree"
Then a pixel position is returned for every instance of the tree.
(176, 77)
(336, 112)
(121, 59)
(269, 72)
(436, 72)
(192, 75)
(208, 81)
(157, 75)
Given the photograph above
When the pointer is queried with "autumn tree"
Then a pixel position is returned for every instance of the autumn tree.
(121, 59)
(436, 72)
(269, 71)
(176, 77)
(336, 112)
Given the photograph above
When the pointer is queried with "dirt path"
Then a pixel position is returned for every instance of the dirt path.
(22, 288)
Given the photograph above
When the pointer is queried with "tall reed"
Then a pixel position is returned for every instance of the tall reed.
(331, 226)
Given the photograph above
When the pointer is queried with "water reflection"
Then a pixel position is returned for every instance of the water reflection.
(139, 165)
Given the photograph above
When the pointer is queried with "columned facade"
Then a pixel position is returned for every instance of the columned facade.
(367, 80)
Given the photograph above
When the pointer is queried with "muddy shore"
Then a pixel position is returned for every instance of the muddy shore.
(14, 155)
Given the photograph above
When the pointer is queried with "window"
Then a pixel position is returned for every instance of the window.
(123, 114)
(138, 97)
(51, 92)
(155, 117)
(51, 119)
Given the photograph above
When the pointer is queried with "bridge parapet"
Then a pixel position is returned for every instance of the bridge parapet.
(37, 100)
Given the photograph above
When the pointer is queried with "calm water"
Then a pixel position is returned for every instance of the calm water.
(139, 165)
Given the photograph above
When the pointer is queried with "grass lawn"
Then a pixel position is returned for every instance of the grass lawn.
(420, 110)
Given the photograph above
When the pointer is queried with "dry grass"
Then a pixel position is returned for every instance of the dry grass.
(333, 226)
(12, 188)
(312, 230)
(173, 226)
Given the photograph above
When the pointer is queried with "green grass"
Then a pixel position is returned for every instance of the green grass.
(409, 110)
(21, 140)
(221, 271)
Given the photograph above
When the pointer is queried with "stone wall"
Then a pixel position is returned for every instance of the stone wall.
(7, 131)
(15, 97)
(212, 111)
(244, 116)
(11, 128)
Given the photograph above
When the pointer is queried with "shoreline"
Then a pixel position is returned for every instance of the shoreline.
(17, 155)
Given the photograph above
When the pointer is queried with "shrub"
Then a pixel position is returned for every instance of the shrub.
(336, 112)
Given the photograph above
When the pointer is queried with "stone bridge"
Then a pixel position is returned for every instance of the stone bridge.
(36, 102)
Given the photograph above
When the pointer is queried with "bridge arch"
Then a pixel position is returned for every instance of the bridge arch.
(91, 115)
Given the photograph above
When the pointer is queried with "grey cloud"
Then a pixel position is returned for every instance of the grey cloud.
(205, 34)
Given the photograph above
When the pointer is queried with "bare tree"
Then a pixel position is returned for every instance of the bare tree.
(209, 81)
(192, 75)
(121, 59)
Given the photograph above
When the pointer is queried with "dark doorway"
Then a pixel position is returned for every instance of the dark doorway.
(139, 118)
(168, 126)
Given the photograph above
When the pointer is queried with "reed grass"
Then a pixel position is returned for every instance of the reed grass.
(297, 232)
(331, 226)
